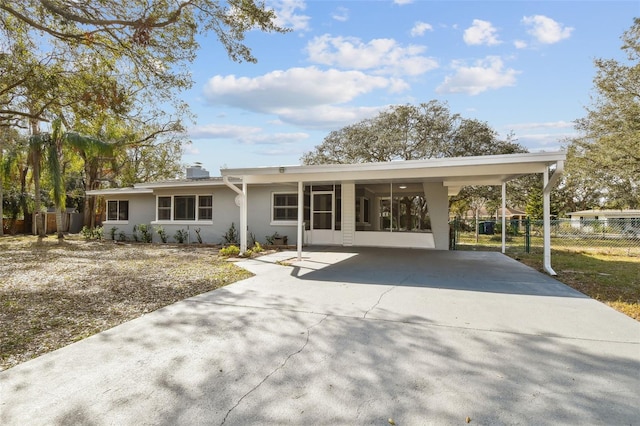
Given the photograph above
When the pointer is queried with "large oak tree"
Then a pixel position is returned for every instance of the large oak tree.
(604, 161)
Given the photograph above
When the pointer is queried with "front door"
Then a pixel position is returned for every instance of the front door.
(322, 211)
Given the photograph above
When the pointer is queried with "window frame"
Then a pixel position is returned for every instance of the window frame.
(172, 209)
(117, 220)
(285, 222)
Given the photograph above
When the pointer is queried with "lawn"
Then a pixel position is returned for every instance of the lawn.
(54, 293)
(606, 272)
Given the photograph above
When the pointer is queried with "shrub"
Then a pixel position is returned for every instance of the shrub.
(162, 233)
(146, 236)
(112, 232)
(134, 234)
(181, 236)
(198, 236)
(92, 234)
(231, 236)
(257, 248)
(271, 238)
(231, 250)
(122, 236)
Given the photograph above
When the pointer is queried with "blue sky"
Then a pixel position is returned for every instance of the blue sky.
(525, 67)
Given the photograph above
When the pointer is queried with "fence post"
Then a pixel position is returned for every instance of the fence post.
(527, 235)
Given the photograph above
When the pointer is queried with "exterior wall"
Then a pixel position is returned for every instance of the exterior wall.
(438, 202)
(141, 210)
(348, 213)
(225, 212)
(394, 239)
(259, 205)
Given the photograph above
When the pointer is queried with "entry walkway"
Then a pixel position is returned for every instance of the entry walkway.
(349, 337)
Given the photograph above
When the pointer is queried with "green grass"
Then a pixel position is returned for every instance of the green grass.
(606, 270)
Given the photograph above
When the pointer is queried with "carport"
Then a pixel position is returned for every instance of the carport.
(359, 204)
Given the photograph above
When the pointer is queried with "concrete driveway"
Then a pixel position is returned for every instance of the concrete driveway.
(350, 337)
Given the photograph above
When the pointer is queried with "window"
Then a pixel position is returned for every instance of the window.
(184, 208)
(285, 206)
(117, 210)
(164, 208)
(205, 207)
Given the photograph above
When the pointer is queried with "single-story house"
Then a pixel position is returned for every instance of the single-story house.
(623, 221)
(389, 204)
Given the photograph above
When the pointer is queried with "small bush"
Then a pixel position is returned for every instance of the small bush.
(86, 232)
(271, 238)
(247, 253)
(146, 236)
(92, 234)
(122, 236)
(231, 236)
(257, 248)
(181, 236)
(228, 251)
(162, 233)
(134, 234)
(198, 236)
(112, 232)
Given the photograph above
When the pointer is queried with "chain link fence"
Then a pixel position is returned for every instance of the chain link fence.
(614, 236)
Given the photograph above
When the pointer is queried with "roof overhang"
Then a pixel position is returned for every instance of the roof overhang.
(120, 191)
(452, 172)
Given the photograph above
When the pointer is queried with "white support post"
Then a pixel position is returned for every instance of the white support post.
(243, 210)
(300, 219)
(504, 217)
(546, 217)
(549, 183)
(243, 219)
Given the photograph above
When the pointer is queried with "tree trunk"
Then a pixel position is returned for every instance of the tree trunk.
(1, 192)
(59, 224)
(28, 217)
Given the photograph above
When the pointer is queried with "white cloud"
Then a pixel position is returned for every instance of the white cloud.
(481, 32)
(329, 117)
(546, 30)
(299, 95)
(420, 28)
(217, 131)
(382, 56)
(520, 44)
(246, 134)
(287, 14)
(485, 74)
(546, 125)
(341, 14)
(402, 2)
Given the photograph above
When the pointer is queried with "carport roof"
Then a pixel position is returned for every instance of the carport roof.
(453, 172)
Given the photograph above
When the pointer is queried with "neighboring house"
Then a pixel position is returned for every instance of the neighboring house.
(622, 221)
(510, 214)
(391, 204)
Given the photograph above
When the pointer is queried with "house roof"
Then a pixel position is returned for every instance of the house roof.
(147, 188)
(453, 172)
(120, 191)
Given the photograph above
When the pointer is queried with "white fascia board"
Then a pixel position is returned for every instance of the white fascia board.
(120, 191)
(469, 172)
(182, 184)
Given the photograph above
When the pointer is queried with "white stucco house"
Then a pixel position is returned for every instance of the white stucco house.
(623, 221)
(390, 204)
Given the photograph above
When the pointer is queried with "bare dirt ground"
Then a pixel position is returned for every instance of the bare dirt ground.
(55, 293)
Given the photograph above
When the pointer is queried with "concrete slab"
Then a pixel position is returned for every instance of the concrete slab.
(350, 337)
